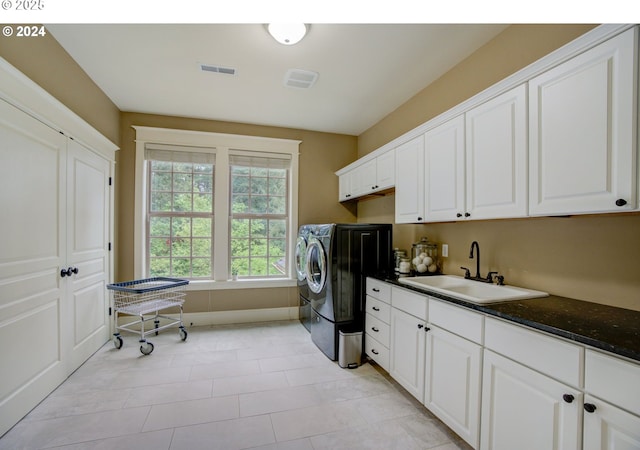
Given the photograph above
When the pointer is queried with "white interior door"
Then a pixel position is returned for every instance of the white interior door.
(87, 250)
(33, 314)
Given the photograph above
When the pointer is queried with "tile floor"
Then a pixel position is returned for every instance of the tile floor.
(261, 385)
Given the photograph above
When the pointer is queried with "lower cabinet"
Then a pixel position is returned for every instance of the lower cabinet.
(407, 354)
(525, 410)
(607, 427)
(453, 382)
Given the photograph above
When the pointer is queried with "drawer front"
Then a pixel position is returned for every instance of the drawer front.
(551, 356)
(378, 309)
(612, 379)
(376, 351)
(377, 329)
(379, 289)
(456, 320)
(409, 302)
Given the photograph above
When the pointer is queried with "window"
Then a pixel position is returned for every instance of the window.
(180, 239)
(258, 211)
(212, 205)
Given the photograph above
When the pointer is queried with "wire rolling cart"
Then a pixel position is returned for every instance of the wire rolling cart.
(145, 297)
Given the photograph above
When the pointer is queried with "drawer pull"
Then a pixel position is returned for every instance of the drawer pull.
(589, 407)
(568, 398)
(375, 289)
(374, 351)
(420, 325)
(375, 329)
(375, 308)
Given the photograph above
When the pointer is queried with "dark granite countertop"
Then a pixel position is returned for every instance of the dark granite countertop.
(616, 330)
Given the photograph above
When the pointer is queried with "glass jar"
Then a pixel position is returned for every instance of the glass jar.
(404, 268)
(424, 257)
(397, 256)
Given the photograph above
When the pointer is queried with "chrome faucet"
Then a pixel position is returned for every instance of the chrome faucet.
(477, 277)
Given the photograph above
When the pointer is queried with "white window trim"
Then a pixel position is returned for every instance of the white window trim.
(222, 143)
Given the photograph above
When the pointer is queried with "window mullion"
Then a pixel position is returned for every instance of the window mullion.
(221, 217)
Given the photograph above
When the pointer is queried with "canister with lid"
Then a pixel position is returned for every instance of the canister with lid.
(424, 257)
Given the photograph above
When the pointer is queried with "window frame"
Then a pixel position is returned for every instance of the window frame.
(222, 145)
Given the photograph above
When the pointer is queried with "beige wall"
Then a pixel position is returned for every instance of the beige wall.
(594, 258)
(321, 154)
(45, 62)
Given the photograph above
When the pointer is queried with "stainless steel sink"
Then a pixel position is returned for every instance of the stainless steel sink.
(470, 290)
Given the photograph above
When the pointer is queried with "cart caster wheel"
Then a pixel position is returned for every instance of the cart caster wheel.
(117, 342)
(183, 334)
(146, 348)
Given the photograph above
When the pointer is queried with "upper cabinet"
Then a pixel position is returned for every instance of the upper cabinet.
(476, 163)
(410, 181)
(558, 137)
(369, 177)
(496, 157)
(583, 147)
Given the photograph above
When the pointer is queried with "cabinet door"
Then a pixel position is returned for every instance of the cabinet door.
(34, 313)
(581, 132)
(344, 186)
(88, 205)
(610, 428)
(496, 157)
(452, 382)
(525, 410)
(367, 179)
(445, 171)
(386, 170)
(407, 352)
(410, 181)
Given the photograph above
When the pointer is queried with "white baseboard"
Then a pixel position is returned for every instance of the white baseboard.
(230, 317)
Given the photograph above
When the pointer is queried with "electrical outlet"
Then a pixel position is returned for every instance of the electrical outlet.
(445, 250)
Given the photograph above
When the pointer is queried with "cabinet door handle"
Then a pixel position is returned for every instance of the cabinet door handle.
(621, 202)
(589, 407)
(568, 398)
(420, 326)
(459, 215)
(420, 219)
(467, 214)
(375, 308)
(375, 290)
(374, 351)
(73, 269)
(375, 329)
(65, 273)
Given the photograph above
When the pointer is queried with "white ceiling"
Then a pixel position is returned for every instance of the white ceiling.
(365, 70)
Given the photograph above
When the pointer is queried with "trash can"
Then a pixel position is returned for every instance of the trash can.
(349, 349)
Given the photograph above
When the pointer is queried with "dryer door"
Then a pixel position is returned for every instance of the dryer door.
(301, 258)
(316, 266)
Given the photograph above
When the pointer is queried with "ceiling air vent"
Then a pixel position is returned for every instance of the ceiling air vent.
(217, 69)
(300, 79)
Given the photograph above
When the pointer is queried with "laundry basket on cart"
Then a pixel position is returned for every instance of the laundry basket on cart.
(143, 298)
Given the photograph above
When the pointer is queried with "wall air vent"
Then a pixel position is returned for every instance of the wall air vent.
(217, 69)
(300, 79)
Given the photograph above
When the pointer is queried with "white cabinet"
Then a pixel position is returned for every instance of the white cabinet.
(612, 405)
(377, 320)
(408, 338)
(582, 123)
(54, 259)
(496, 157)
(475, 165)
(410, 181)
(526, 410)
(609, 427)
(368, 177)
(445, 171)
(453, 381)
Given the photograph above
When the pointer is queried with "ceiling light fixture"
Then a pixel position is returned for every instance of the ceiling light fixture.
(287, 33)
